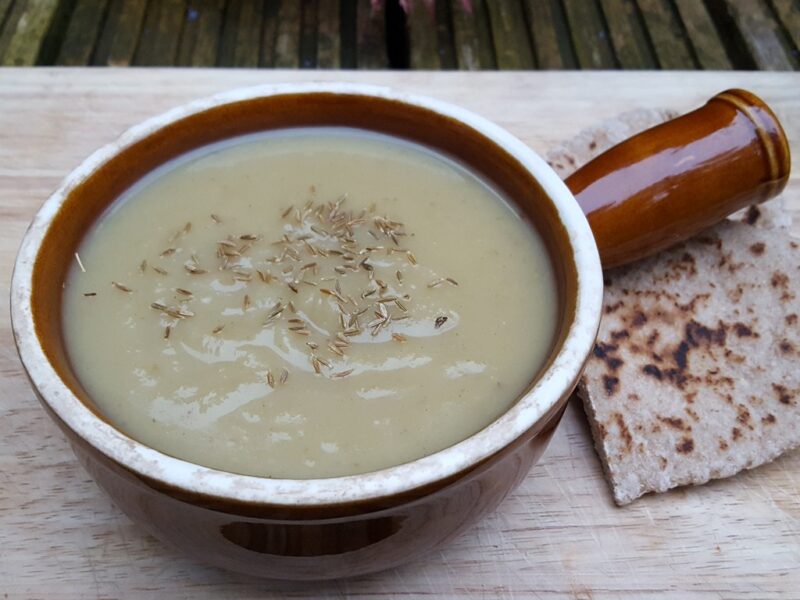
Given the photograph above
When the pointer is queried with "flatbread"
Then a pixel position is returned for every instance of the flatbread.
(696, 370)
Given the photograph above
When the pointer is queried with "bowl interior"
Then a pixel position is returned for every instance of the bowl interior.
(87, 201)
(536, 191)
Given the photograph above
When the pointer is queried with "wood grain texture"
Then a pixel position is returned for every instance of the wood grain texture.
(25, 30)
(308, 35)
(666, 33)
(703, 35)
(431, 33)
(422, 38)
(248, 35)
(557, 536)
(371, 51)
(589, 35)
(5, 7)
(269, 34)
(241, 35)
(161, 32)
(628, 35)
(445, 37)
(511, 44)
(82, 32)
(788, 12)
(550, 34)
(287, 36)
(472, 36)
(120, 33)
(201, 32)
(329, 54)
(763, 35)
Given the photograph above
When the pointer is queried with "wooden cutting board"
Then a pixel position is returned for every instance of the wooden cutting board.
(558, 536)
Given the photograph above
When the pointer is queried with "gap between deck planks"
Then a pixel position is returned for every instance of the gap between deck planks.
(431, 34)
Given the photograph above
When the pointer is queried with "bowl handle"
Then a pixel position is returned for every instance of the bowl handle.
(674, 180)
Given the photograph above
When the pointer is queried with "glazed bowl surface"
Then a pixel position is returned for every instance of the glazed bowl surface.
(316, 528)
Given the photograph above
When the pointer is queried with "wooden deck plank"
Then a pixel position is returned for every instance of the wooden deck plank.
(589, 35)
(247, 50)
(371, 52)
(5, 7)
(5, 10)
(25, 30)
(308, 34)
(762, 35)
(269, 34)
(328, 34)
(117, 44)
(348, 34)
(667, 35)
(422, 35)
(628, 35)
(550, 34)
(230, 25)
(472, 36)
(287, 37)
(512, 47)
(444, 33)
(201, 33)
(82, 32)
(788, 12)
(703, 35)
(240, 45)
(158, 42)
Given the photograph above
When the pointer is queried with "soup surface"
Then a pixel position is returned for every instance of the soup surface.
(308, 303)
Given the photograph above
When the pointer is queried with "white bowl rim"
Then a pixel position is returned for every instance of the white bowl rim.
(204, 481)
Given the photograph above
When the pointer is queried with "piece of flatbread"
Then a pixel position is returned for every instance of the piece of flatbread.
(696, 370)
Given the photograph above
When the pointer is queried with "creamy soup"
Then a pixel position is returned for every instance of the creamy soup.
(308, 303)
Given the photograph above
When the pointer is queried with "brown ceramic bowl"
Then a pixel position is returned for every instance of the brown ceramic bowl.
(312, 529)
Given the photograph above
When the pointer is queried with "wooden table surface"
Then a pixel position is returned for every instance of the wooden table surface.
(558, 536)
